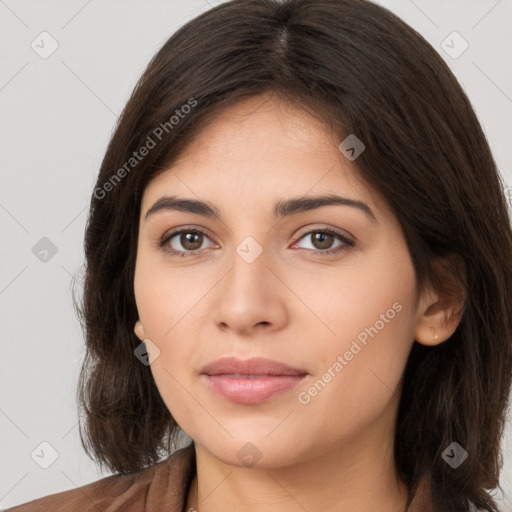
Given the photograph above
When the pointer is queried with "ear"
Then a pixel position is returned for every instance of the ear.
(139, 330)
(440, 311)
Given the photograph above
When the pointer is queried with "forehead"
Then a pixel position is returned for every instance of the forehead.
(260, 150)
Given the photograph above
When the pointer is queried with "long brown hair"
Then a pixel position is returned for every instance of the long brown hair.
(363, 71)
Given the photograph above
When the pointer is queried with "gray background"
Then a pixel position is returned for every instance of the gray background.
(58, 113)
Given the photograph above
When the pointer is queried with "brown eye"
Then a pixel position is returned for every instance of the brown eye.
(191, 240)
(185, 242)
(322, 240)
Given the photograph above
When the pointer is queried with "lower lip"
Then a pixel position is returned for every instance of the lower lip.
(251, 391)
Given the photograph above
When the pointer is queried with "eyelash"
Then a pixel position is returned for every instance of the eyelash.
(162, 244)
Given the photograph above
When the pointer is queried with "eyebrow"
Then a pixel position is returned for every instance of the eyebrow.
(280, 209)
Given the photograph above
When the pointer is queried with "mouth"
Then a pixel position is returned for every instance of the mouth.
(252, 381)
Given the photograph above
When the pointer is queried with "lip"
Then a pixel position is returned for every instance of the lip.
(251, 381)
(253, 366)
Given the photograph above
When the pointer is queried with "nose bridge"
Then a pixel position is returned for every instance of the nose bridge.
(249, 273)
(248, 294)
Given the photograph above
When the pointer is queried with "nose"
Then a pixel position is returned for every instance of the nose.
(251, 297)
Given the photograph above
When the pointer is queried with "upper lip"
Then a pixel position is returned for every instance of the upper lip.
(254, 366)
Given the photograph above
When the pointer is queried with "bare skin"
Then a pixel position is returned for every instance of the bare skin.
(329, 450)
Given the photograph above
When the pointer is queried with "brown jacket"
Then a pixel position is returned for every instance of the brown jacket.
(162, 487)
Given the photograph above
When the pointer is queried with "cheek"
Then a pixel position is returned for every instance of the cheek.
(165, 306)
(168, 302)
(356, 383)
(370, 297)
(370, 315)
(165, 297)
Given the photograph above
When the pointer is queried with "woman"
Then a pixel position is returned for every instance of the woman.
(298, 253)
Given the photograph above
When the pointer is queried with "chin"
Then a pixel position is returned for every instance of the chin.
(256, 451)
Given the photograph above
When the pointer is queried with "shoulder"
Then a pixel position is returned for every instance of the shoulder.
(162, 486)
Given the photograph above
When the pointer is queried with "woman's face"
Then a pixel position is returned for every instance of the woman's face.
(341, 308)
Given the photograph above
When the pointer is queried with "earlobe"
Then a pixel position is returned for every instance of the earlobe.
(439, 319)
(139, 330)
(440, 311)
